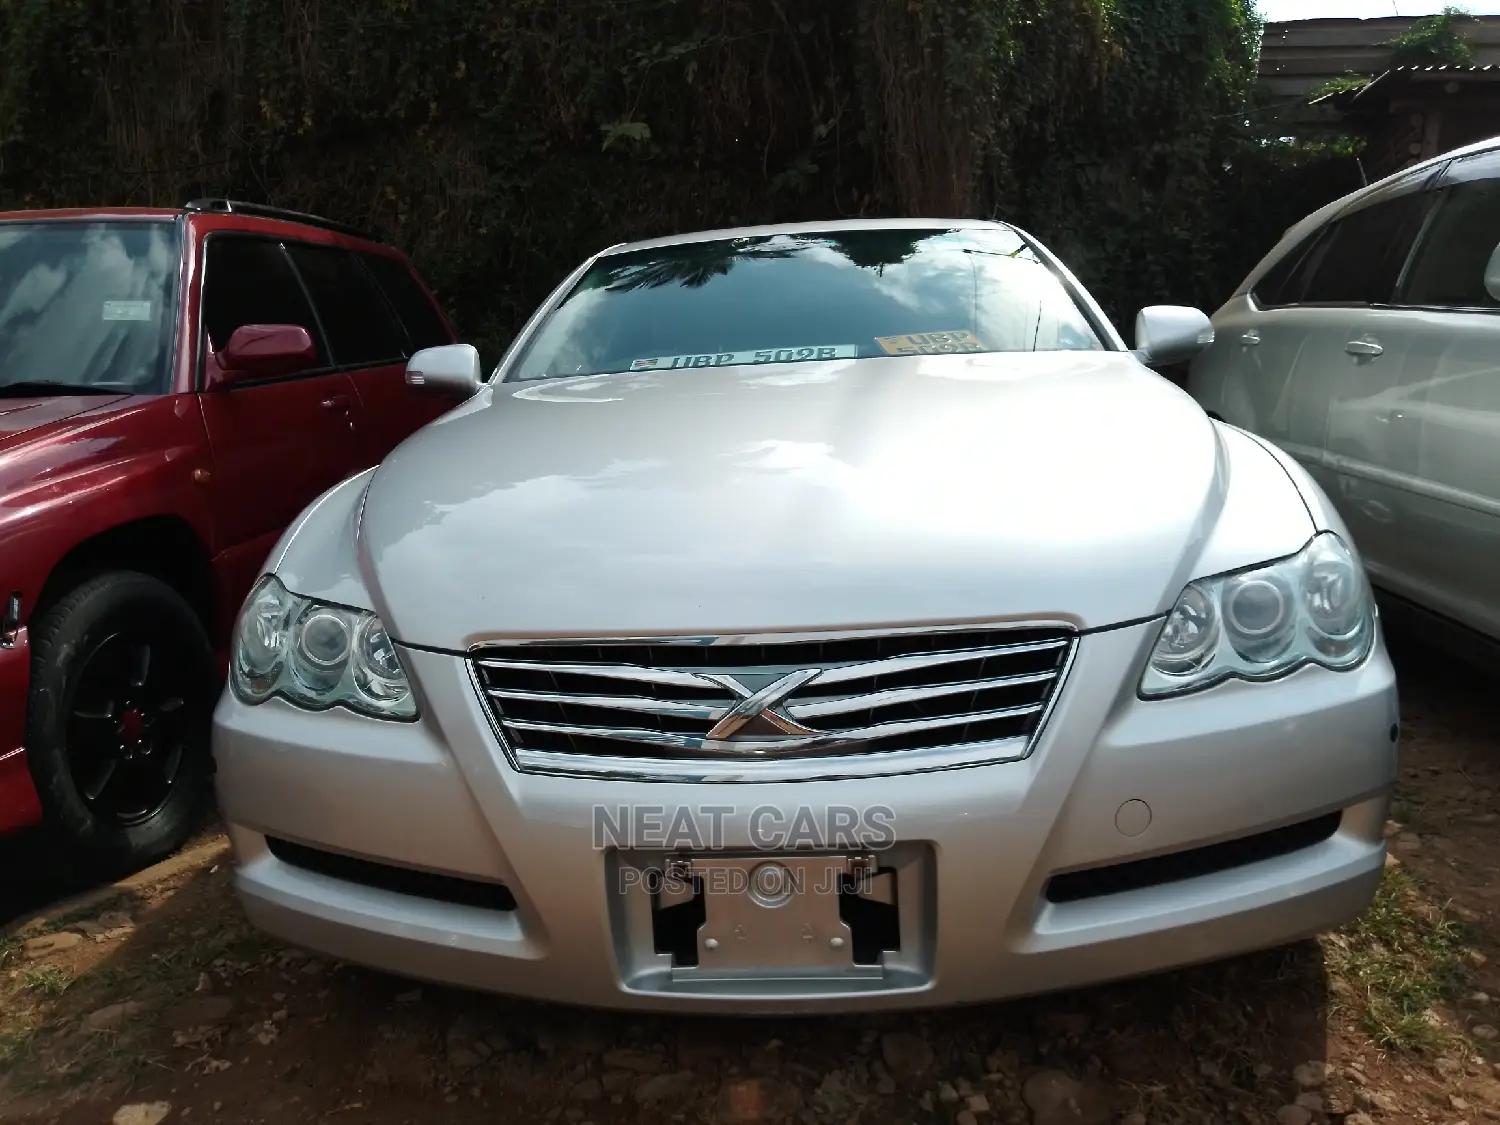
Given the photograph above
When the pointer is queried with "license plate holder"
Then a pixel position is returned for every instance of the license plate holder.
(772, 916)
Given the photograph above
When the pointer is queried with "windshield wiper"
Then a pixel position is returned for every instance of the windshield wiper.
(51, 387)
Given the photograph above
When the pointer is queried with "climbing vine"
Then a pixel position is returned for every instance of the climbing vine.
(1434, 41)
(500, 141)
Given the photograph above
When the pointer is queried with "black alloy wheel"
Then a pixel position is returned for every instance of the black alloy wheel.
(126, 731)
(123, 685)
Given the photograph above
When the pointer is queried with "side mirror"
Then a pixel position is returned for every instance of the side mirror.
(1167, 334)
(1492, 275)
(265, 351)
(452, 369)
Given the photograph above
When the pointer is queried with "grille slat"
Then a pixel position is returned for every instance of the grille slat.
(890, 666)
(772, 747)
(607, 671)
(946, 692)
(870, 700)
(617, 702)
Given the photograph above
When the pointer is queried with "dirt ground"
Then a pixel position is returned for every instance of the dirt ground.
(162, 1005)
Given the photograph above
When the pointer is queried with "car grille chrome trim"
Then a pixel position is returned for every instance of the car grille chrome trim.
(752, 747)
(836, 706)
(607, 671)
(844, 704)
(617, 702)
(738, 708)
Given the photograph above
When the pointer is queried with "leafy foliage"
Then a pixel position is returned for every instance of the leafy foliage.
(1434, 41)
(1339, 85)
(501, 141)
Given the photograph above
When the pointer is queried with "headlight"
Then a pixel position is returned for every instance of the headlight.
(1312, 608)
(316, 655)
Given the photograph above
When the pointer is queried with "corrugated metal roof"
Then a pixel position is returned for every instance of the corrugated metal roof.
(1369, 96)
(1445, 69)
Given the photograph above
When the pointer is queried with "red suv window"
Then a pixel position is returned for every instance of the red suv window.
(360, 328)
(424, 327)
(250, 281)
(88, 305)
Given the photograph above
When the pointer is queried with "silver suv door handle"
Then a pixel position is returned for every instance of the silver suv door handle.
(1364, 347)
(1250, 339)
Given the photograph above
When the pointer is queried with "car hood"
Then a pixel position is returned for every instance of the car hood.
(19, 416)
(1069, 487)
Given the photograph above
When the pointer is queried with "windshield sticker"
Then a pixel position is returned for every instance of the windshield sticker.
(732, 359)
(931, 343)
(127, 310)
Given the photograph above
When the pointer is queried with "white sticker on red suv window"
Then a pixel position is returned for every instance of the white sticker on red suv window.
(127, 310)
(732, 359)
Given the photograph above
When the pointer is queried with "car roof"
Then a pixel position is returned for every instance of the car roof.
(804, 228)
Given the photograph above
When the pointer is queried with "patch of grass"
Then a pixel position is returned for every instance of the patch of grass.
(1402, 959)
(10, 950)
(15, 1046)
(49, 980)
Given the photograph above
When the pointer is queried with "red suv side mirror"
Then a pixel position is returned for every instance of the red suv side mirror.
(265, 351)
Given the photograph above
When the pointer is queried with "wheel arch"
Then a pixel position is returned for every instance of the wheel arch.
(164, 546)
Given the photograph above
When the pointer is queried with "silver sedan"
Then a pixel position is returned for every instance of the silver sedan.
(836, 616)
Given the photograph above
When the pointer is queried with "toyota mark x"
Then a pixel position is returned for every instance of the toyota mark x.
(812, 617)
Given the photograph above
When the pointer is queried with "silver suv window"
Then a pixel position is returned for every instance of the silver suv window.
(1449, 270)
(1360, 260)
(1355, 259)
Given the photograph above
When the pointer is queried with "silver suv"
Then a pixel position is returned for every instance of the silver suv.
(1367, 345)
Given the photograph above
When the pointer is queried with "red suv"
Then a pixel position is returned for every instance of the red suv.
(175, 387)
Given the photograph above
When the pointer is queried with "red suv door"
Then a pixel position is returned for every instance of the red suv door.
(369, 343)
(278, 443)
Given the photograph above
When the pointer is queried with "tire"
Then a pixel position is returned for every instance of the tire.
(123, 686)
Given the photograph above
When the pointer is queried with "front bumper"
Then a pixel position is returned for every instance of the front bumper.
(977, 849)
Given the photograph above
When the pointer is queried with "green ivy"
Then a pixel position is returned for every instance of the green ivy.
(1434, 41)
(501, 141)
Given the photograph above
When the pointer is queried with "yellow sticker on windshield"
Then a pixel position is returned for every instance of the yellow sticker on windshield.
(931, 343)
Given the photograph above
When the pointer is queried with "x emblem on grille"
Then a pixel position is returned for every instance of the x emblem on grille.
(764, 703)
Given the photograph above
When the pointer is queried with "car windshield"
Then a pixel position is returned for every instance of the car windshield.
(844, 294)
(86, 306)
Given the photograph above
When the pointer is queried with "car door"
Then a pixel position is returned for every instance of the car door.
(277, 444)
(1246, 376)
(1352, 366)
(1450, 303)
(368, 344)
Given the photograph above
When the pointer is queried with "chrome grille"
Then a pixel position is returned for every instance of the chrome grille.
(911, 700)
